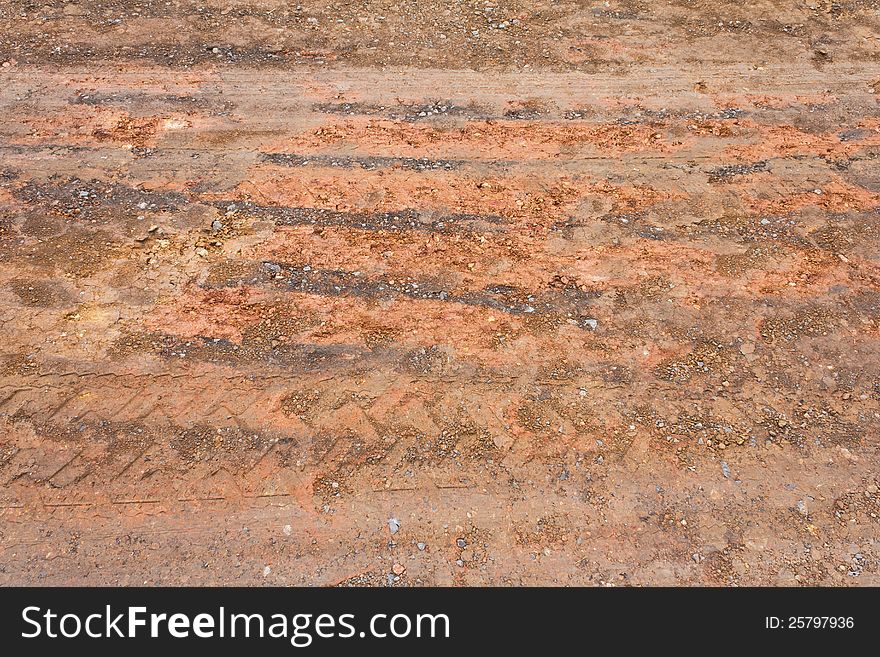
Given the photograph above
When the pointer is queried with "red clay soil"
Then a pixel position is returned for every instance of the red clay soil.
(572, 293)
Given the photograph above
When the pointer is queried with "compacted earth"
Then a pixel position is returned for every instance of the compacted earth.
(406, 293)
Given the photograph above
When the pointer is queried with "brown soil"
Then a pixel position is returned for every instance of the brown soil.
(579, 293)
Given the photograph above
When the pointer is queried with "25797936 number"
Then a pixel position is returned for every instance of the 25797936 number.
(809, 622)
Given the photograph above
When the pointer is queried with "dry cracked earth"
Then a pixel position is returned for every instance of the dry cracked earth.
(408, 293)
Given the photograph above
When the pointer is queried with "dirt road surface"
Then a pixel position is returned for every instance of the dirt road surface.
(439, 293)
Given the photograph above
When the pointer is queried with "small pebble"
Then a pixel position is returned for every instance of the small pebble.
(394, 525)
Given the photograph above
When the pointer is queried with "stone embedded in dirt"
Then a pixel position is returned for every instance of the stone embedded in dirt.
(398, 569)
(394, 525)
